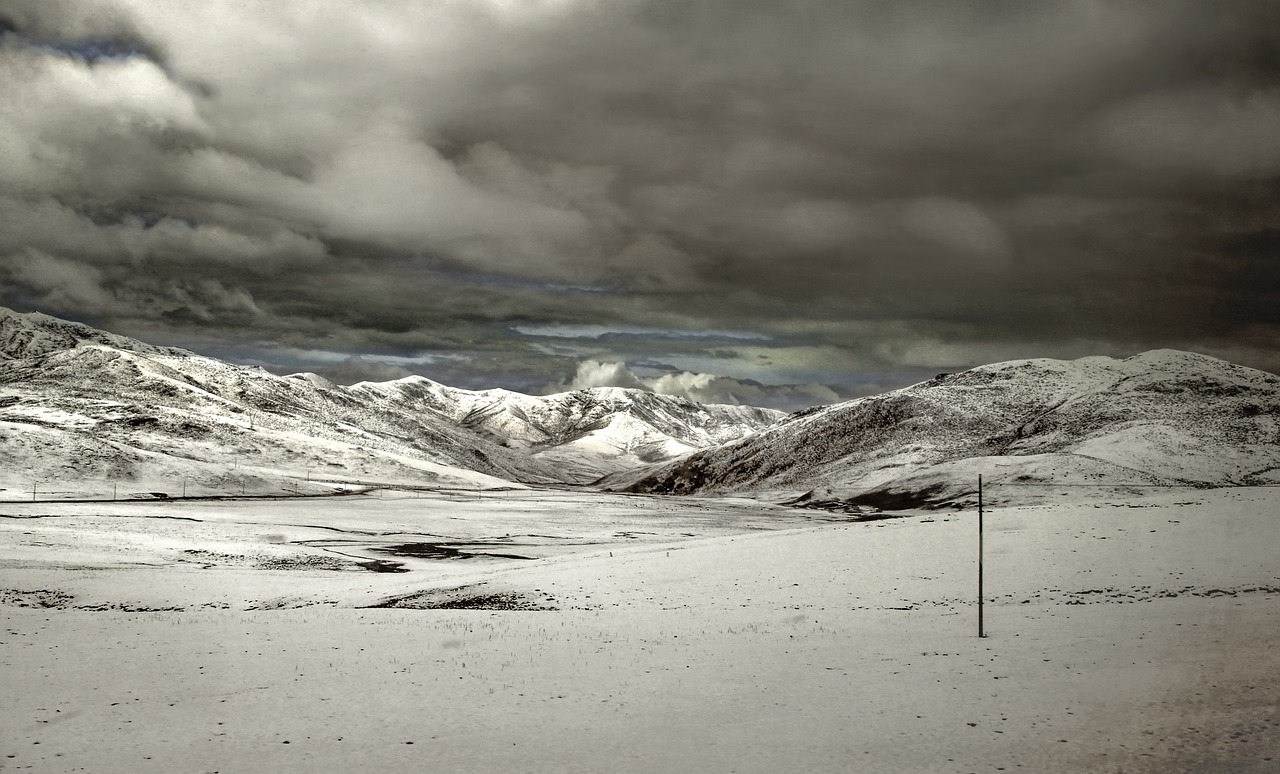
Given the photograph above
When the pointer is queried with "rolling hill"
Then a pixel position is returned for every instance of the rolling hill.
(1161, 417)
(583, 430)
(82, 405)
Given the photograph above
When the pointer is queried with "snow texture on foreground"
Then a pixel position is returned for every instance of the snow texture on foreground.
(1125, 636)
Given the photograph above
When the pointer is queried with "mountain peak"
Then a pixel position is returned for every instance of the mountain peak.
(315, 380)
(1176, 359)
(35, 334)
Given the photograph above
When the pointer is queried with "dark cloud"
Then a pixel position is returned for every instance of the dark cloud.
(860, 193)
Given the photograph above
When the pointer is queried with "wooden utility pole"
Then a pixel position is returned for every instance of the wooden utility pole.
(981, 631)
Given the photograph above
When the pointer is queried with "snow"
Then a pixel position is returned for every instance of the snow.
(420, 611)
(179, 416)
(1128, 634)
(47, 416)
(1159, 417)
(36, 334)
(585, 433)
(315, 380)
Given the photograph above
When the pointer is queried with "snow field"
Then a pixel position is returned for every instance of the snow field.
(1134, 635)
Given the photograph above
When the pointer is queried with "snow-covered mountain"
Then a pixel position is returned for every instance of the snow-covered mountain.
(35, 334)
(1160, 417)
(79, 404)
(587, 431)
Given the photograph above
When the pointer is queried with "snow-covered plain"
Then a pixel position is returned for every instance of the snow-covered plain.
(1131, 634)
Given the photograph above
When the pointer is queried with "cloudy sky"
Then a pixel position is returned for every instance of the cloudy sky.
(778, 202)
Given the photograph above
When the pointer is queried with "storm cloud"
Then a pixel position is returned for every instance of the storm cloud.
(826, 198)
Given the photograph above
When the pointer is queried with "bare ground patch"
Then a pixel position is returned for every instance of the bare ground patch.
(470, 598)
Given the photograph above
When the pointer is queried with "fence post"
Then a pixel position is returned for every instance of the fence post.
(981, 595)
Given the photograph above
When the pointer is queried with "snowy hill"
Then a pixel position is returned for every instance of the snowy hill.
(36, 334)
(1159, 417)
(590, 431)
(78, 404)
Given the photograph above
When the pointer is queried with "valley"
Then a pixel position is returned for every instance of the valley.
(202, 561)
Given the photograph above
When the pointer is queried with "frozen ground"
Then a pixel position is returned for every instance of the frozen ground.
(1132, 635)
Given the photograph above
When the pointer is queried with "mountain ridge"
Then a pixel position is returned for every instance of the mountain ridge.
(34, 333)
(625, 426)
(1160, 417)
(76, 402)
(117, 405)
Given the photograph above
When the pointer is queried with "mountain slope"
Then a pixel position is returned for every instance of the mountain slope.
(96, 411)
(79, 404)
(35, 334)
(590, 431)
(1159, 417)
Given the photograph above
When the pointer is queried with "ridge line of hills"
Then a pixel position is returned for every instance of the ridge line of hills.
(80, 407)
(80, 404)
(1163, 417)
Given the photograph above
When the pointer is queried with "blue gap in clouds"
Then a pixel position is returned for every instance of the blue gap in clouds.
(94, 50)
(89, 50)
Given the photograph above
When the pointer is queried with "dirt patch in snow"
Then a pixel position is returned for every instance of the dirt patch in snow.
(441, 551)
(469, 598)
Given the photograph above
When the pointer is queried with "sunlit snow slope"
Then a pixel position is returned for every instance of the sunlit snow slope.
(1160, 417)
(587, 432)
(79, 404)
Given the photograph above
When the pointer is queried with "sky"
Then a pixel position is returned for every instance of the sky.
(776, 202)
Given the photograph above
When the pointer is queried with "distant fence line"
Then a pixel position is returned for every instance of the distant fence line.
(245, 488)
(292, 486)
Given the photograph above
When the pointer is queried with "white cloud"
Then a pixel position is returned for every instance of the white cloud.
(698, 387)
(592, 373)
(707, 388)
(386, 185)
(68, 126)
